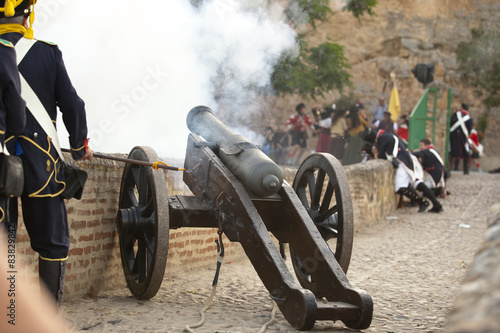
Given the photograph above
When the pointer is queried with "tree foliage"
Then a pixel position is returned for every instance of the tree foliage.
(319, 69)
(358, 8)
(346, 101)
(479, 64)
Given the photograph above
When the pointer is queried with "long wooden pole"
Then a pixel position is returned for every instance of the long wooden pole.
(128, 160)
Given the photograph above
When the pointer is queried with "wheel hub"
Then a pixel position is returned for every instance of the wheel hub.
(129, 221)
(328, 227)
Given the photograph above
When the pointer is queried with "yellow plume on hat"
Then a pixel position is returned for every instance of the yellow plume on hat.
(9, 8)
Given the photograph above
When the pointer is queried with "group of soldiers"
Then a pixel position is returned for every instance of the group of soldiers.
(409, 171)
(424, 170)
(34, 85)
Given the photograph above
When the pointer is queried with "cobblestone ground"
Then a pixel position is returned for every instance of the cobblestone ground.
(411, 264)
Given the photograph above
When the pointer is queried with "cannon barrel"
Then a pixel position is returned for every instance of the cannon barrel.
(257, 172)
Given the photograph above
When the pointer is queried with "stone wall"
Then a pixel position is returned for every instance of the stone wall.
(372, 191)
(94, 260)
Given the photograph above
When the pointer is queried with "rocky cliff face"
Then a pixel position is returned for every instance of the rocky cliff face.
(402, 34)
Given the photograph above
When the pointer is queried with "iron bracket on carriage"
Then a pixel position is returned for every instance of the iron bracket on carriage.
(239, 189)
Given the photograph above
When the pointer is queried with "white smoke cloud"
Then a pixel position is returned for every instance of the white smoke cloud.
(141, 66)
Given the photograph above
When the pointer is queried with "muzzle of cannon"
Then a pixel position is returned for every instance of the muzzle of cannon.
(248, 163)
(240, 192)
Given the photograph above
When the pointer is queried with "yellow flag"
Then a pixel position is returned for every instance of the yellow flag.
(394, 106)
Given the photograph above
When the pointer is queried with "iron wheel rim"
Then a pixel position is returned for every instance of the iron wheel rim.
(324, 202)
(143, 224)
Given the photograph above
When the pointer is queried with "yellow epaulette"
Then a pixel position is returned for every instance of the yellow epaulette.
(6, 43)
(46, 42)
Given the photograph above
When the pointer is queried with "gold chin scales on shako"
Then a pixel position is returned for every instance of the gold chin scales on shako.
(241, 192)
(13, 8)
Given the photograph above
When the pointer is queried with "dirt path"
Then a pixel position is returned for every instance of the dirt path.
(411, 264)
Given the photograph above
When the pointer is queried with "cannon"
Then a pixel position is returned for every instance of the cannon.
(241, 192)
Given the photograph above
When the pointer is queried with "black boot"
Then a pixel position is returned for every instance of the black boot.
(427, 192)
(412, 203)
(52, 273)
(414, 197)
(456, 161)
(466, 166)
(438, 191)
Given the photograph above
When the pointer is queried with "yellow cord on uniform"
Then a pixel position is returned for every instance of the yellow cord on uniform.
(29, 32)
(156, 165)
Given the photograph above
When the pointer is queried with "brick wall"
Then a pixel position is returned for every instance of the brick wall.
(94, 260)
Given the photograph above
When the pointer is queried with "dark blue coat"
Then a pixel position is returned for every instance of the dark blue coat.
(385, 146)
(458, 139)
(431, 164)
(44, 70)
(12, 106)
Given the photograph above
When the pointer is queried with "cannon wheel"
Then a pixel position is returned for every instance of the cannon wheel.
(143, 224)
(330, 208)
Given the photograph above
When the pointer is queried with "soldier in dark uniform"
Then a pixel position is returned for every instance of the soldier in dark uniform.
(406, 178)
(433, 165)
(12, 108)
(44, 210)
(460, 128)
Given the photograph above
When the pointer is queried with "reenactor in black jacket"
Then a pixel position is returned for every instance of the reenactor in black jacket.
(460, 129)
(433, 165)
(12, 110)
(41, 65)
(407, 180)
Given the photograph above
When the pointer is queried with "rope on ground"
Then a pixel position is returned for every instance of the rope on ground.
(271, 321)
(220, 257)
(202, 313)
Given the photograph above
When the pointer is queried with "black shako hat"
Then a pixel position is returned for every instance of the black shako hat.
(12, 8)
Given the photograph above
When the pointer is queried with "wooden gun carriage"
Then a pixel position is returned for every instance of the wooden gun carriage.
(239, 190)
